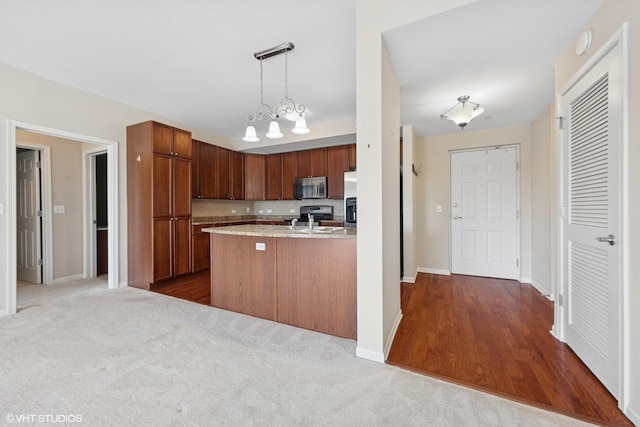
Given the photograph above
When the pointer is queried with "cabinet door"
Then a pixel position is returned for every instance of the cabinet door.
(195, 172)
(201, 248)
(337, 165)
(224, 173)
(162, 249)
(303, 163)
(181, 187)
(208, 174)
(182, 143)
(288, 175)
(162, 139)
(162, 186)
(319, 162)
(352, 156)
(237, 175)
(254, 176)
(181, 246)
(274, 177)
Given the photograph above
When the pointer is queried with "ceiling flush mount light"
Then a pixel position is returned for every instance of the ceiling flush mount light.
(463, 112)
(286, 108)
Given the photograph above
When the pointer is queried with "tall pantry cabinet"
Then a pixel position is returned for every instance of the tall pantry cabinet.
(158, 203)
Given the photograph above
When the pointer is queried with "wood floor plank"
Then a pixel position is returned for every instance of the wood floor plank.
(493, 334)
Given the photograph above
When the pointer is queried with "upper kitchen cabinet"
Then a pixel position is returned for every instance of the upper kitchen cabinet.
(254, 176)
(352, 157)
(224, 173)
(237, 175)
(159, 202)
(288, 175)
(204, 181)
(337, 165)
(311, 162)
(274, 177)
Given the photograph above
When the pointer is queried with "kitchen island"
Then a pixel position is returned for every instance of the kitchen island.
(305, 278)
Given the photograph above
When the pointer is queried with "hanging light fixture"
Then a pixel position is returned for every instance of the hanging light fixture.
(463, 112)
(286, 108)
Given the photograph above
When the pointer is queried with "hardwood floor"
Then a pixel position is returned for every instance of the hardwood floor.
(493, 335)
(193, 287)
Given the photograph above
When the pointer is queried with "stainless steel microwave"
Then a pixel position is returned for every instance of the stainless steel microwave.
(310, 188)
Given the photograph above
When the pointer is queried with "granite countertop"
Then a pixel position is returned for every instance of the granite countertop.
(284, 231)
(237, 218)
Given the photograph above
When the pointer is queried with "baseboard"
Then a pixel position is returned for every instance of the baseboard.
(67, 279)
(634, 416)
(392, 335)
(539, 287)
(375, 356)
(434, 271)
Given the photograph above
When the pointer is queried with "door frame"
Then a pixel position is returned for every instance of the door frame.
(89, 239)
(46, 232)
(518, 219)
(111, 147)
(620, 37)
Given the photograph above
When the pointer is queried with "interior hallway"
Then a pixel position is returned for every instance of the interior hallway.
(493, 335)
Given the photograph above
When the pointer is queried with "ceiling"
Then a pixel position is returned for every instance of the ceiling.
(192, 61)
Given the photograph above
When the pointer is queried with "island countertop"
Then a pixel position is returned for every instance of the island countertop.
(318, 232)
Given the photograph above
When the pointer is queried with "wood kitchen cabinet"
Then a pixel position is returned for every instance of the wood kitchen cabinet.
(337, 165)
(352, 157)
(254, 177)
(159, 203)
(274, 177)
(201, 248)
(288, 175)
(204, 181)
(311, 162)
(237, 175)
(223, 169)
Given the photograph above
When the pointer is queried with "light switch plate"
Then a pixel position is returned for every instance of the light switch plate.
(1, 208)
(58, 209)
(233, 211)
(292, 211)
(269, 211)
(439, 208)
(260, 247)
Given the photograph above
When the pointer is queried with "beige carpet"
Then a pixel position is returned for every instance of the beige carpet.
(130, 357)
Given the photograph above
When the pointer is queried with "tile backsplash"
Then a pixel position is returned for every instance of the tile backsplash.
(209, 208)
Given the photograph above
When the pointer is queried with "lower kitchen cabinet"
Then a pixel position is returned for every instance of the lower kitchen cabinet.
(201, 248)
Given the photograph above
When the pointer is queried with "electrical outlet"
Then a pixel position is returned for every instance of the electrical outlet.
(58, 209)
(248, 209)
(269, 211)
(261, 211)
(1, 208)
(260, 247)
(233, 211)
(292, 211)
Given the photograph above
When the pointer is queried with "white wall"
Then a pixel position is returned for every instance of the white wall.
(543, 201)
(432, 189)
(408, 198)
(605, 22)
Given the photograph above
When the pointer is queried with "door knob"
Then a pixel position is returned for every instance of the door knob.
(611, 239)
(457, 217)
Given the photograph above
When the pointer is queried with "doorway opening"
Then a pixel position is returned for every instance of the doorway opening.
(110, 148)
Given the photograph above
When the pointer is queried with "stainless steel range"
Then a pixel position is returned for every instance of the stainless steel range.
(319, 212)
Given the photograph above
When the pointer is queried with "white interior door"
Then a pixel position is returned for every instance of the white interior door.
(591, 253)
(28, 210)
(484, 213)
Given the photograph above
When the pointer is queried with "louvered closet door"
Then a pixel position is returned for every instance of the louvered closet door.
(591, 282)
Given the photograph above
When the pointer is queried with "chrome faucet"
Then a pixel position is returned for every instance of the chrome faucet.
(310, 222)
(293, 223)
